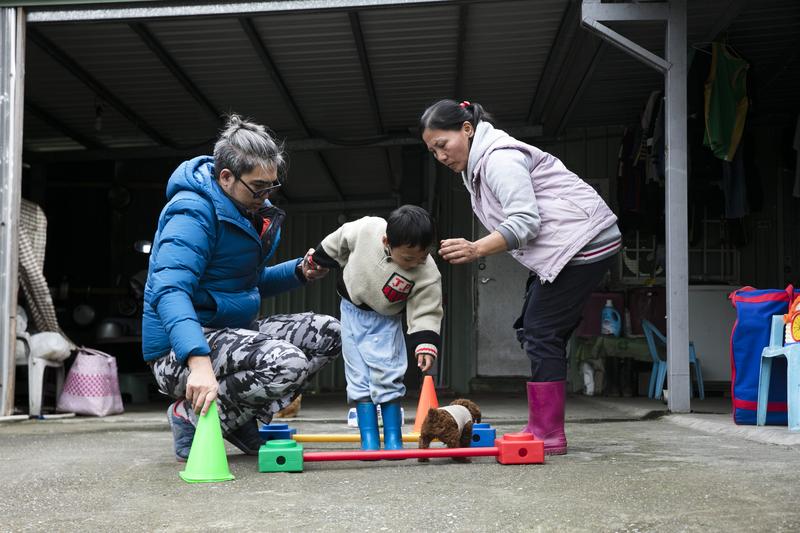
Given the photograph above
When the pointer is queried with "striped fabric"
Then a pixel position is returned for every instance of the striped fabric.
(32, 240)
(605, 245)
(426, 349)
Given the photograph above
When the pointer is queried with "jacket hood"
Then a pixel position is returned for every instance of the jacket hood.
(197, 175)
(485, 136)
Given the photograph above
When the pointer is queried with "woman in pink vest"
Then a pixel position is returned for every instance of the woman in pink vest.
(549, 220)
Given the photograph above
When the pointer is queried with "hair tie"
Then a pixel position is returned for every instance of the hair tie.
(464, 104)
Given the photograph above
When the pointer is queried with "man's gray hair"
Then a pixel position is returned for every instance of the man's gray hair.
(244, 145)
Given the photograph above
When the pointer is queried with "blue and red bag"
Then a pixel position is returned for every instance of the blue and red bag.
(750, 334)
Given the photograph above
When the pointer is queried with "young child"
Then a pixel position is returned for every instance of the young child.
(385, 268)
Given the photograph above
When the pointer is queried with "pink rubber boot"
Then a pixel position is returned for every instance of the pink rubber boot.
(546, 415)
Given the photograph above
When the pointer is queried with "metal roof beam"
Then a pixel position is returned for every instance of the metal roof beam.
(62, 128)
(593, 12)
(329, 173)
(554, 66)
(38, 14)
(576, 97)
(95, 86)
(349, 205)
(463, 13)
(181, 9)
(266, 59)
(169, 62)
(639, 11)
(369, 83)
(358, 36)
(297, 145)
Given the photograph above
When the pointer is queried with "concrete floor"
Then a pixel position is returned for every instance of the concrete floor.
(629, 468)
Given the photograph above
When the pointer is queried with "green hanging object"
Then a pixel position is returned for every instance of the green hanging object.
(207, 461)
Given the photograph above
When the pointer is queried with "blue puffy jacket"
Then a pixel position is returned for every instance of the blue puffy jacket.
(208, 266)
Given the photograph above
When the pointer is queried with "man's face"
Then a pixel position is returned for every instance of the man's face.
(251, 188)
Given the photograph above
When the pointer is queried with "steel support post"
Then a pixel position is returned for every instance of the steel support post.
(12, 60)
(680, 386)
(674, 68)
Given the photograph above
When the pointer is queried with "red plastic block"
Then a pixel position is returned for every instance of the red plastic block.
(519, 449)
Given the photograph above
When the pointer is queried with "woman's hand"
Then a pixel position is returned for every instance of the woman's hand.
(201, 385)
(458, 251)
(311, 271)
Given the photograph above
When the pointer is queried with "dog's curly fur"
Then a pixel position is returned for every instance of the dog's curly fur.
(440, 425)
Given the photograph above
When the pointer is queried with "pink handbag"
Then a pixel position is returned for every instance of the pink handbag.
(92, 385)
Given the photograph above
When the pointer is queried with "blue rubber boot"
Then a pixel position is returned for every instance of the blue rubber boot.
(368, 426)
(392, 435)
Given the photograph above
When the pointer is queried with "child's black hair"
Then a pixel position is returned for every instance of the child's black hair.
(410, 225)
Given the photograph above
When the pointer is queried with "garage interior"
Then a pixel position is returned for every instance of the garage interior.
(113, 104)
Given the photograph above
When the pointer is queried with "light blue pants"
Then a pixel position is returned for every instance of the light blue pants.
(374, 352)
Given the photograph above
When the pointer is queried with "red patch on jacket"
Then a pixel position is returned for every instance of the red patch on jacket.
(397, 288)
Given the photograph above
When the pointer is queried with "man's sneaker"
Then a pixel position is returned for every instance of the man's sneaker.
(182, 432)
(246, 438)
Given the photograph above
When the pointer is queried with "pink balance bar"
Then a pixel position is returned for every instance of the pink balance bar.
(511, 449)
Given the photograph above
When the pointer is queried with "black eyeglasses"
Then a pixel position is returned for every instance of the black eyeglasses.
(261, 193)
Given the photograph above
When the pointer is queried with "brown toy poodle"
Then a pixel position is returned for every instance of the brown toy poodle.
(452, 425)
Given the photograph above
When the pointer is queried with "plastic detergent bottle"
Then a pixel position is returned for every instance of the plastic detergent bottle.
(610, 321)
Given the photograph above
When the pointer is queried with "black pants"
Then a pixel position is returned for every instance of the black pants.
(551, 313)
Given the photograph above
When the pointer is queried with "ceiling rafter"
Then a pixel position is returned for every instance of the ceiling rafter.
(266, 59)
(170, 64)
(74, 68)
(57, 124)
(458, 86)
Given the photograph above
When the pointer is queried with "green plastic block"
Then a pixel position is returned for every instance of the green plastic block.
(281, 455)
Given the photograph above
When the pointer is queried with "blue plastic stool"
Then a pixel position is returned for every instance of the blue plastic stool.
(659, 373)
(483, 436)
(792, 355)
(270, 432)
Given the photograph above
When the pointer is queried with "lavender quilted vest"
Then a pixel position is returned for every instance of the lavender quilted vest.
(572, 213)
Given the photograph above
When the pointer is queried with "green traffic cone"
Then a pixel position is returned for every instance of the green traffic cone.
(207, 461)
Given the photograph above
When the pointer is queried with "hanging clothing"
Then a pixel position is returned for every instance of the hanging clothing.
(734, 186)
(32, 243)
(725, 102)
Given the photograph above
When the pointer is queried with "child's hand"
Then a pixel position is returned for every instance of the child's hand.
(424, 361)
(312, 271)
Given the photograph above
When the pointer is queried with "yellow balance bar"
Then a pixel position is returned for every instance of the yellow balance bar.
(341, 437)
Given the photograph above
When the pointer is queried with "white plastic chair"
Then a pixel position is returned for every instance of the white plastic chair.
(36, 370)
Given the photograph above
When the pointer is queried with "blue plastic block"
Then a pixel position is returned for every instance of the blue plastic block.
(483, 436)
(276, 432)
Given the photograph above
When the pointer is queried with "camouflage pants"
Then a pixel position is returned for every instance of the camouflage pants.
(259, 372)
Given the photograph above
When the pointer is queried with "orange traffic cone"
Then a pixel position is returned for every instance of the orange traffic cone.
(427, 400)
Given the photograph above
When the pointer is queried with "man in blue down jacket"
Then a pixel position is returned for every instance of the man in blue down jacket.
(208, 273)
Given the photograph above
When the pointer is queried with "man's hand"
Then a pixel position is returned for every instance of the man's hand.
(312, 271)
(425, 361)
(201, 386)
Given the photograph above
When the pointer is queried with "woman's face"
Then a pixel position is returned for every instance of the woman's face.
(450, 147)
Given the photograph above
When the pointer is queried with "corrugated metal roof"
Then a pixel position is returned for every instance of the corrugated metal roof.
(119, 59)
(218, 57)
(317, 57)
(412, 55)
(506, 50)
